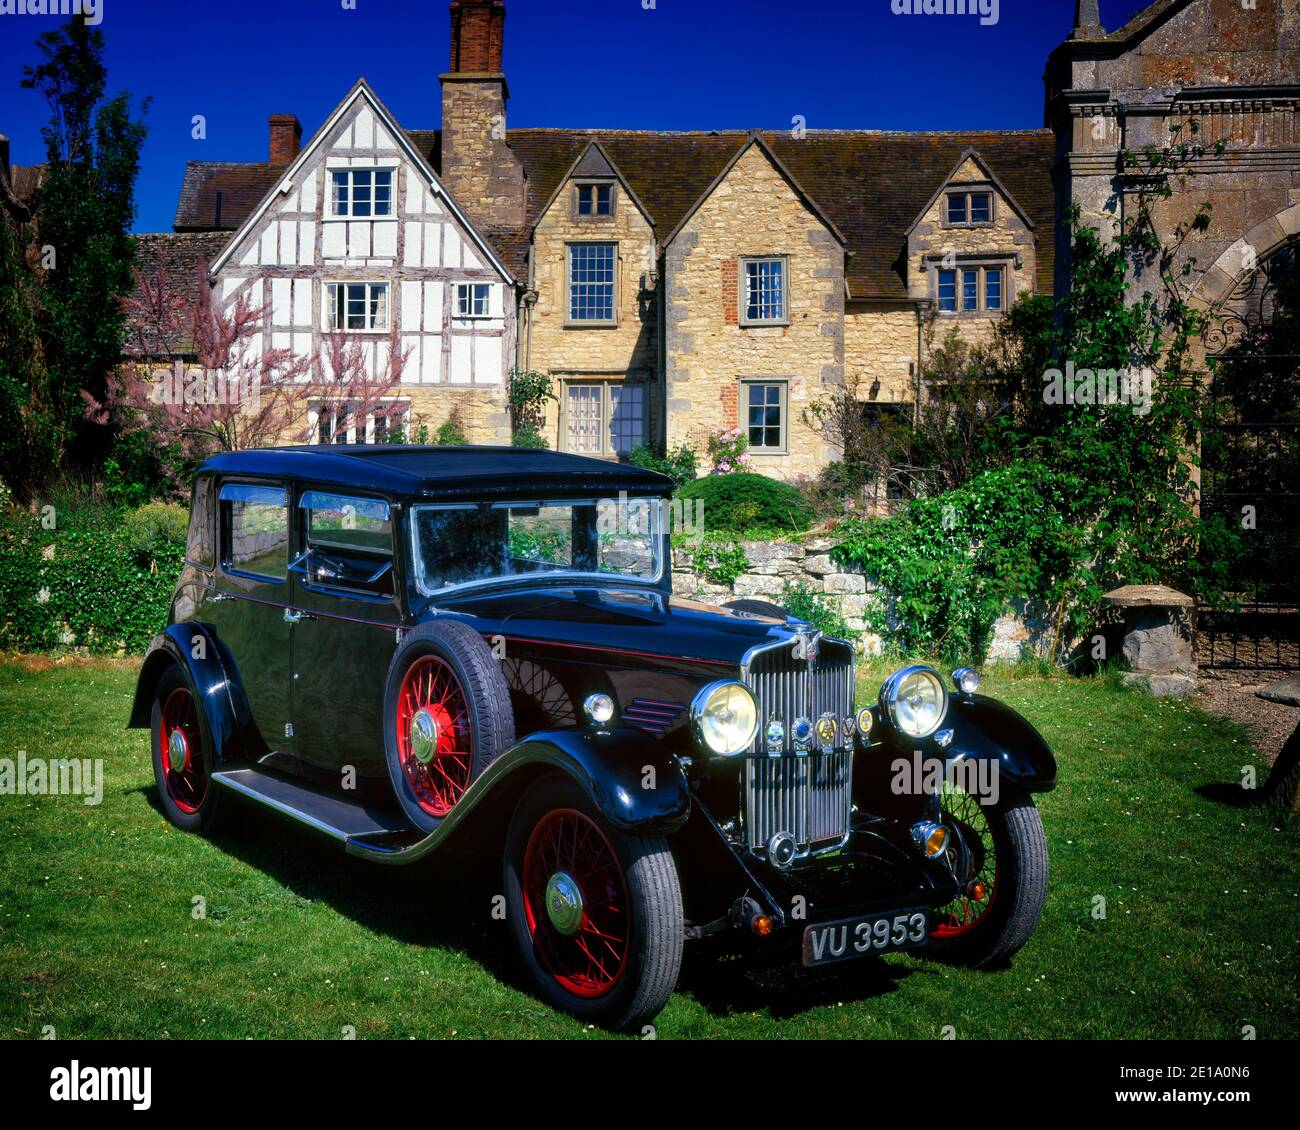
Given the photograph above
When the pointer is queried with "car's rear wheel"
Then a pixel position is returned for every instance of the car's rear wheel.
(182, 755)
(596, 913)
(999, 854)
(447, 718)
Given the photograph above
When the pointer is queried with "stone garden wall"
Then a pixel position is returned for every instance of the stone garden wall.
(774, 566)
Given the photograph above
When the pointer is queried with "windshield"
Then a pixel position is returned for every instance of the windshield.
(457, 545)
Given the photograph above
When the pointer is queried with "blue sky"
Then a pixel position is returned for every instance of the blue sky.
(685, 64)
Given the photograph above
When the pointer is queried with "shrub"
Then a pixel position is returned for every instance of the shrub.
(801, 601)
(450, 434)
(153, 529)
(81, 586)
(528, 437)
(951, 564)
(719, 559)
(742, 501)
(679, 465)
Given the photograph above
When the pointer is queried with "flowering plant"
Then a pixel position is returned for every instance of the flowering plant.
(728, 452)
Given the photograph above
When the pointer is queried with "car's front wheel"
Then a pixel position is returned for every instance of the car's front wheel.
(999, 854)
(596, 913)
(182, 755)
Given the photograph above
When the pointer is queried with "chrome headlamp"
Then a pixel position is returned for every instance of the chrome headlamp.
(966, 680)
(915, 701)
(724, 717)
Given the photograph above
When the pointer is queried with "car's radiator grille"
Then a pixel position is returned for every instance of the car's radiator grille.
(807, 796)
(804, 792)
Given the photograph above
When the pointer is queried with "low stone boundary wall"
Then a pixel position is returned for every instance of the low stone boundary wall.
(775, 565)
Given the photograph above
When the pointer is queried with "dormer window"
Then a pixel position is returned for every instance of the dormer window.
(594, 199)
(968, 208)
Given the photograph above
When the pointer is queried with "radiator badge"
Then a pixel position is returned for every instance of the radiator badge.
(802, 733)
(827, 731)
(774, 738)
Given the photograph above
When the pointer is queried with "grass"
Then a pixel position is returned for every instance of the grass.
(98, 937)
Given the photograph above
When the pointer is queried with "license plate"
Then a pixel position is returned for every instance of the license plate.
(858, 937)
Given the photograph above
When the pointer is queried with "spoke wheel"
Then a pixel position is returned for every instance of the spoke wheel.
(181, 749)
(434, 736)
(973, 857)
(576, 904)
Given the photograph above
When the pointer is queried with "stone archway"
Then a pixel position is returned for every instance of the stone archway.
(1233, 271)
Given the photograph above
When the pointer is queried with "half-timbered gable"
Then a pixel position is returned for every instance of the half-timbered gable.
(359, 238)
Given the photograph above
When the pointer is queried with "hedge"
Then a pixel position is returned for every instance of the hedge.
(746, 501)
(82, 588)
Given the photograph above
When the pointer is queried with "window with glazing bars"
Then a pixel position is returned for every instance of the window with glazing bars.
(591, 281)
(362, 193)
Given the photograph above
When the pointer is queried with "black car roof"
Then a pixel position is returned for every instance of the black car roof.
(441, 471)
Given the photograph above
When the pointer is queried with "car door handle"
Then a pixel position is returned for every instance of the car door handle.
(217, 596)
(293, 615)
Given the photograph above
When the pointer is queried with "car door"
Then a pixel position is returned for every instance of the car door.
(347, 613)
(250, 596)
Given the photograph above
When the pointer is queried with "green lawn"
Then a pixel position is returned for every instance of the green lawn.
(97, 938)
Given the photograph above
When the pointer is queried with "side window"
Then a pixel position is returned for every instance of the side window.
(200, 548)
(347, 544)
(255, 530)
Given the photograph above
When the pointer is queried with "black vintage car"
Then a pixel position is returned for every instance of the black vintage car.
(406, 648)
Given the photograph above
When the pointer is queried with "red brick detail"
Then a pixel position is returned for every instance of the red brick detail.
(286, 138)
(478, 29)
(729, 302)
(728, 398)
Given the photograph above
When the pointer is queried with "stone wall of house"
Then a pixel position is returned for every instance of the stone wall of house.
(753, 212)
(881, 352)
(776, 566)
(628, 351)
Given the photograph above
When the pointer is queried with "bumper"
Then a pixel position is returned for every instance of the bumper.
(878, 870)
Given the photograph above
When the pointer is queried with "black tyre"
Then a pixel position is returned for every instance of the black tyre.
(447, 717)
(596, 914)
(758, 608)
(1000, 853)
(182, 755)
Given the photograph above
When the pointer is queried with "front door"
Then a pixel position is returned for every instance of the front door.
(248, 603)
(347, 615)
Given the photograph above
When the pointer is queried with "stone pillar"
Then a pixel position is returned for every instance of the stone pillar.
(1157, 638)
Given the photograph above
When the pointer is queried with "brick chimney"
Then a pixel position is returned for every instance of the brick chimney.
(286, 138)
(479, 169)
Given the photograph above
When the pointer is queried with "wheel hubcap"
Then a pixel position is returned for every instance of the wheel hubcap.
(564, 903)
(424, 737)
(177, 752)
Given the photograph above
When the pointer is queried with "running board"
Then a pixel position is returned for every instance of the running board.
(343, 820)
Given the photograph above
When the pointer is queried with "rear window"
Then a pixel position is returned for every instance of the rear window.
(255, 530)
(347, 543)
(200, 550)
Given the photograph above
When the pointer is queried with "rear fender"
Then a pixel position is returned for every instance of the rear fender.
(210, 669)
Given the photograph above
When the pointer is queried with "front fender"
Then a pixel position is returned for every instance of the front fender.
(984, 729)
(635, 783)
(196, 649)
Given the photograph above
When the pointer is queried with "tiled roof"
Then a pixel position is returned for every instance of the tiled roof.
(219, 195)
(183, 257)
(871, 184)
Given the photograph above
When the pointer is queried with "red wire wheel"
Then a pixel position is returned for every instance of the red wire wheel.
(576, 904)
(974, 858)
(434, 739)
(184, 770)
